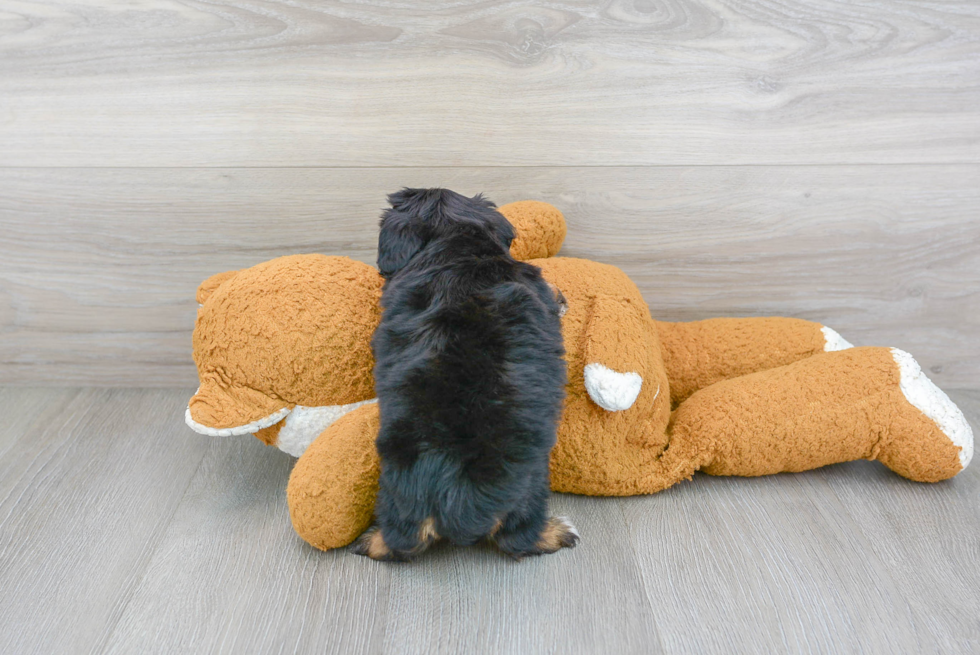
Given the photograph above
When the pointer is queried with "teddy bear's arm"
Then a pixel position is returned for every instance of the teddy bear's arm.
(700, 353)
(333, 486)
(616, 352)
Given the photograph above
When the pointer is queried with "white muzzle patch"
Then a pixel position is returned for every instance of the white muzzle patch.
(303, 425)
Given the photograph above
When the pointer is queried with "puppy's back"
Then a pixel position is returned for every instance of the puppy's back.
(470, 378)
(464, 365)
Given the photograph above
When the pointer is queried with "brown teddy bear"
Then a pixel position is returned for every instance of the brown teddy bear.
(283, 352)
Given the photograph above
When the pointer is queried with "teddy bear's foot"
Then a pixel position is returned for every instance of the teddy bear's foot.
(332, 488)
(929, 439)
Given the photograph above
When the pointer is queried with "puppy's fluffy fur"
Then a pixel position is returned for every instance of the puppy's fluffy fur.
(470, 381)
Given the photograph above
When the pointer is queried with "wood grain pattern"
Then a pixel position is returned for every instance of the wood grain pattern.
(586, 600)
(25, 409)
(571, 82)
(99, 266)
(775, 554)
(900, 525)
(229, 575)
(121, 531)
(85, 492)
(231, 570)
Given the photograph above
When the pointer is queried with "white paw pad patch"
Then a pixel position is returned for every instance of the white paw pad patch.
(238, 430)
(929, 399)
(303, 425)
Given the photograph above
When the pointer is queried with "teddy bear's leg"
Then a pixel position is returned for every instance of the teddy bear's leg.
(619, 352)
(332, 488)
(860, 403)
(699, 353)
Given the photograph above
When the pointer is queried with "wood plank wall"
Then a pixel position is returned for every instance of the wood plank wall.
(819, 160)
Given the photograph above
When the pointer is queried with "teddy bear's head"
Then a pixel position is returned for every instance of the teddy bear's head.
(283, 348)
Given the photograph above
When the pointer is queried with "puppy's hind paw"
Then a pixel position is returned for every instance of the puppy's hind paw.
(558, 533)
(372, 544)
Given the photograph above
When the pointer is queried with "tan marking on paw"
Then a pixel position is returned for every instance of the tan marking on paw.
(499, 523)
(376, 546)
(558, 533)
(560, 299)
(427, 531)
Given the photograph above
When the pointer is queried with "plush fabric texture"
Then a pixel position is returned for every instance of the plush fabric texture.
(305, 424)
(612, 390)
(540, 229)
(699, 353)
(333, 486)
(744, 397)
(601, 452)
(270, 435)
(931, 401)
(856, 411)
(211, 284)
(253, 325)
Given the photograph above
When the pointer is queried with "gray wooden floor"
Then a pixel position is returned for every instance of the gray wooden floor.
(123, 532)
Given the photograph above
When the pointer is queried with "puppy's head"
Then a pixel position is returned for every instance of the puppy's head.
(419, 216)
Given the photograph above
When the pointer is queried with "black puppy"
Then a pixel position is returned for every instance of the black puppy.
(470, 380)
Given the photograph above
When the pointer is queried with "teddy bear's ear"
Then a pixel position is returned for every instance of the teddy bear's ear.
(211, 284)
(540, 229)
